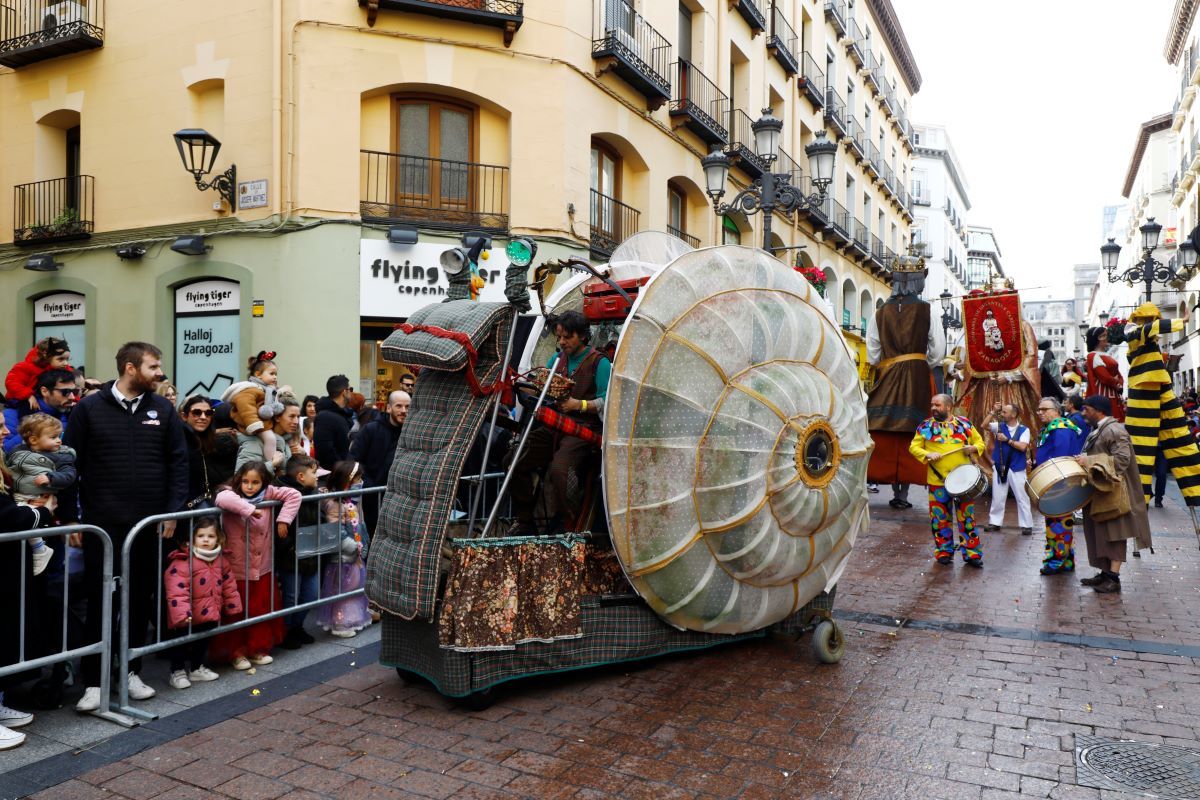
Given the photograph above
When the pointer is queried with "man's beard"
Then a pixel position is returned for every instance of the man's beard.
(143, 385)
(940, 416)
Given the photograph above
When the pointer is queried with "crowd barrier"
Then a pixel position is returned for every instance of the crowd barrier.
(58, 538)
(324, 540)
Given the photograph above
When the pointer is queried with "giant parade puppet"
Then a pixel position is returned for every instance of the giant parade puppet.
(1001, 360)
(904, 341)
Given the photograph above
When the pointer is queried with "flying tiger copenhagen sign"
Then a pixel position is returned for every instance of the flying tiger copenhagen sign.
(395, 280)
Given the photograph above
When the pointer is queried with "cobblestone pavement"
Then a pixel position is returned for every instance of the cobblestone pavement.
(957, 683)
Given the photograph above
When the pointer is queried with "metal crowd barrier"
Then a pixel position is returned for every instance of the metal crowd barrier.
(160, 643)
(102, 648)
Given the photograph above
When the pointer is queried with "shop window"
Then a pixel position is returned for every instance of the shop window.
(63, 315)
(729, 232)
(207, 337)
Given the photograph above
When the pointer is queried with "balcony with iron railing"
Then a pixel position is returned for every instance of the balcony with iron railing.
(624, 42)
(434, 193)
(37, 30)
(58, 210)
(839, 223)
(835, 15)
(906, 131)
(878, 253)
(740, 148)
(694, 241)
(856, 138)
(870, 71)
(754, 12)
(862, 239)
(504, 14)
(905, 200)
(889, 258)
(856, 46)
(612, 223)
(835, 111)
(871, 164)
(811, 82)
(889, 177)
(922, 198)
(698, 104)
(783, 42)
(888, 98)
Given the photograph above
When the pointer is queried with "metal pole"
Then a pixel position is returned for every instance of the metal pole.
(1148, 274)
(487, 448)
(520, 447)
(767, 204)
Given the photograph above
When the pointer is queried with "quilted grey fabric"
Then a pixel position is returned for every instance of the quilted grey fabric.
(421, 349)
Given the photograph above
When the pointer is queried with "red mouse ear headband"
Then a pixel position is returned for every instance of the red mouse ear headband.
(265, 355)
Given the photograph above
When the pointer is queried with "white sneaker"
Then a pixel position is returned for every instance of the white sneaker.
(11, 718)
(262, 659)
(344, 633)
(241, 662)
(10, 739)
(202, 673)
(90, 700)
(179, 680)
(41, 558)
(137, 689)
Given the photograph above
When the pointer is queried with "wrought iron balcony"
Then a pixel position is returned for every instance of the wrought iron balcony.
(889, 177)
(862, 239)
(741, 144)
(783, 43)
(811, 82)
(622, 41)
(36, 30)
(871, 165)
(694, 241)
(878, 253)
(857, 138)
(835, 15)
(870, 71)
(699, 104)
(754, 12)
(835, 111)
(504, 14)
(839, 223)
(433, 192)
(58, 210)
(612, 222)
(855, 43)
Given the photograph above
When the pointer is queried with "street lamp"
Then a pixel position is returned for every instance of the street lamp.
(773, 190)
(198, 151)
(947, 300)
(1149, 270)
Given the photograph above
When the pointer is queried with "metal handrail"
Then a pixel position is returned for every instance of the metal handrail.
(835, 109)
(30, 23)
(694, 241)
(782, 31)
(611, 221)
(811, 73)
(54, 210)
(618, 28)
(434, 192)
(695, 94)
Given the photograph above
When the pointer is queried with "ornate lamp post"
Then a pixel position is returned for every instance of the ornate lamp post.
(198, 151)
(1148, 270)
(773, 190)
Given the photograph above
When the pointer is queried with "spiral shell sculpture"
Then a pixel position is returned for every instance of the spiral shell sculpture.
(736, 443)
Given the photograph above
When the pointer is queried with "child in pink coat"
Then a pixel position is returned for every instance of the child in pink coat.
(200, 592)
(251, 551)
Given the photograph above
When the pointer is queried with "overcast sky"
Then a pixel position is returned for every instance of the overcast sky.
(1043, 102)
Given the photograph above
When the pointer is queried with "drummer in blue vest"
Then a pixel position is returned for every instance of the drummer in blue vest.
(1008, 467)
(1059, 438)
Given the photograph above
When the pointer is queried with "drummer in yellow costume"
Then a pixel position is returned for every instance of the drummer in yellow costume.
(943, 442)
(1154, 416)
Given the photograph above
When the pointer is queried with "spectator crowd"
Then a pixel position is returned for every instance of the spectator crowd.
(110, 454)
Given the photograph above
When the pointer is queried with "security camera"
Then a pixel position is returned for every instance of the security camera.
(133, 251)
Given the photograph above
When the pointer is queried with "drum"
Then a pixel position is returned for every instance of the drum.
(1059, 487)
(966, 482)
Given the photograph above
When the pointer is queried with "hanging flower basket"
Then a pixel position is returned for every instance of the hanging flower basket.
(814, 276)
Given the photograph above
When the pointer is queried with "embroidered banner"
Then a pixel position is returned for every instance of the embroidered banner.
(992, 324)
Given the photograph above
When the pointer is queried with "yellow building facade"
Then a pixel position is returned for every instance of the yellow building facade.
(368, 135)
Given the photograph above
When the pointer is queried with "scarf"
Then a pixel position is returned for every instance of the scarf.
(207, 555)
(954, 429)
(1091, 437)
(1056, 424)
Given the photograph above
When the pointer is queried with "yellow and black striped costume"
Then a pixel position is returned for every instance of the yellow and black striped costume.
(1154, 417)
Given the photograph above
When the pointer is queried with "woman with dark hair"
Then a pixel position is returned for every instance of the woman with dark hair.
(211, 454)
(1103, 375)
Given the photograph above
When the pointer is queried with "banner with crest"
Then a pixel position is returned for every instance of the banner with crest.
(992, 324)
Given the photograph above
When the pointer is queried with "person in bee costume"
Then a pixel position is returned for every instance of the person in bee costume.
(1154, 416)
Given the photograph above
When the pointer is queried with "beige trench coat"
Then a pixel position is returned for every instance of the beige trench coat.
(1112, 439)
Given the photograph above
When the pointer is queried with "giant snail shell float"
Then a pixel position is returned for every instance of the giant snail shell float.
(736, 443)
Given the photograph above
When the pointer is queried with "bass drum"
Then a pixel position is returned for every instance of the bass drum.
(735, 443)
(1059, 487)
(966, 482)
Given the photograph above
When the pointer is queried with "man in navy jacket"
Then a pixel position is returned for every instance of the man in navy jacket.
(132, 461)
(56, 393)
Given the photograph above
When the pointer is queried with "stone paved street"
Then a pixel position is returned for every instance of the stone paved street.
(956, 684)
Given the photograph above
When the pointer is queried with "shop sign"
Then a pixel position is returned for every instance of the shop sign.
(396, 280)
(208, 296)
(59, 307)
(252, 194)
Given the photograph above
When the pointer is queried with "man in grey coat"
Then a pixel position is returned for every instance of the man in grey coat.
(1105, 540)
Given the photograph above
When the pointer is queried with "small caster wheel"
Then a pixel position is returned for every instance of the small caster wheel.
(828, 643)
(478, 701)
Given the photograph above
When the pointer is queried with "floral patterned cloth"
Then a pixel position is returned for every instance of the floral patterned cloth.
(506, 592)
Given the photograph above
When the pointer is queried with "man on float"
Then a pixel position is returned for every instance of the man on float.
(943, 442)
(904, 341)
(555, 449)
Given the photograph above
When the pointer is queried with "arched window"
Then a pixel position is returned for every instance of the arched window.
(434, 165)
